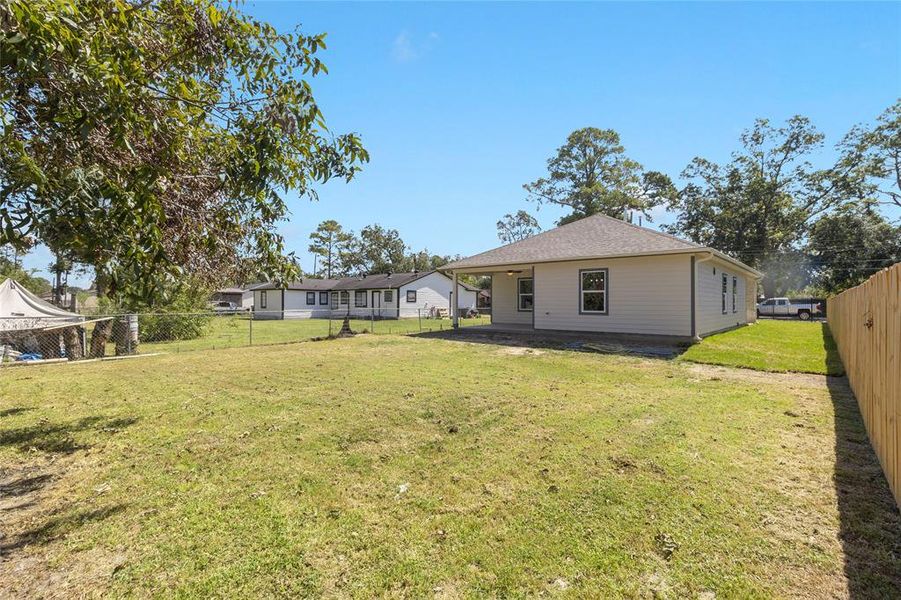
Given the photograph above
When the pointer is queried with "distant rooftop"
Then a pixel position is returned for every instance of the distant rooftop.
(360, 282)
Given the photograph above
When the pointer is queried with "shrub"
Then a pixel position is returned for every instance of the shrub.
(171, 326)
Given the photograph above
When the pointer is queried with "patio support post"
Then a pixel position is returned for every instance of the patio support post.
(455, 302)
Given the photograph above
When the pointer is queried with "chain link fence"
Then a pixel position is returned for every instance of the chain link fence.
(122, 335)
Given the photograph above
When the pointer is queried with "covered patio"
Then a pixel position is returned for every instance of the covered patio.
(511, 294)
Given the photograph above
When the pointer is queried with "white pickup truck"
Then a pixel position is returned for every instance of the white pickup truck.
(787, 307)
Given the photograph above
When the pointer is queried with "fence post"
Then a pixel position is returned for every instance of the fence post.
(419, 312)
(251, 330)
(372, 321)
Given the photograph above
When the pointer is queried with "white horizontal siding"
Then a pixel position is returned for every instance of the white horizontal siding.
(297, 300)
(273, 308)
(646, 295)
(504, 299)
(710, 316)
(467, 299)
(247, 300)
(433, 290)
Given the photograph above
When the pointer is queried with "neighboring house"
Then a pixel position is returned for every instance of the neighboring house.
(484, 299)
(601, 274)
(302, 299)
(241, 296)
(386, 296)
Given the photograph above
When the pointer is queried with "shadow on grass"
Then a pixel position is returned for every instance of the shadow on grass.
(14, 411)
(58, 526)
(25, 485)
(605, 343)
(59, 438)
(870, 524)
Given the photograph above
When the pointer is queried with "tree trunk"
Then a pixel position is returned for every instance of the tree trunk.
(72, 343)
(345, 328)
(49, 344)
(329, 265)
(100, 336)
(120, 333)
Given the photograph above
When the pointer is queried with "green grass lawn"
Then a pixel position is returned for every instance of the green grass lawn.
(409, 467)
(235, 331)
(772, 345)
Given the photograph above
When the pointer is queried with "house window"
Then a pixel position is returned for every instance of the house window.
(311, 298)
(734, 293)
(411, 295)
(345, 298)
(334, 299)
(323, 298)
(389, 295)
(725, 290)
(262, 299)
(593, 291)
(360, 298)
(524, 294)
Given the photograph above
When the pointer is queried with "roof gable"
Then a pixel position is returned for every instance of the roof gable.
(596, 236)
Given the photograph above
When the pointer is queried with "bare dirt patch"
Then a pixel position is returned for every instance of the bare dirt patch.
(714, 372)
(38, 512)
(521, 351)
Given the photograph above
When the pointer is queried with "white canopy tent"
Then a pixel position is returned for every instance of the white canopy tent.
(21, 310)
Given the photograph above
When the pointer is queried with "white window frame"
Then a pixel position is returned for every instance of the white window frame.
(263, 299)
(333, 300)
(413, 301)
(725, 290)
(388, 296)
(358, 296)
(313, 295)
(520, 295)
(345, 297)
(605, 292)
(734, 294)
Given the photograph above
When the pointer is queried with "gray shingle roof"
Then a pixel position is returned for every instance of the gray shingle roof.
(376, 282)
(592, 237)
(309, 283)
(379, 280)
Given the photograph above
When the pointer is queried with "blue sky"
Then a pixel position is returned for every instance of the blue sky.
(460, 104)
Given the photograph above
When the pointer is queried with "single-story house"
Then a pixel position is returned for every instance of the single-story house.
(384, 296)
(242, 297)
(601, 274)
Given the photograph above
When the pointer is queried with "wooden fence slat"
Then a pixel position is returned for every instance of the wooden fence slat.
(865, 322)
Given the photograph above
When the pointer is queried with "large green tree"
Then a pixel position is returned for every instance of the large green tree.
(591, 174)
(330, 244)
(517, 226)
(848, 246)
(11, 268)
(870, 162)
(379, 250)
(759, 207)
(426, 261)
(154, 139)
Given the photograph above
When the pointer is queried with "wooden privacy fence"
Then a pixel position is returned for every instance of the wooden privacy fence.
(866, 324)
